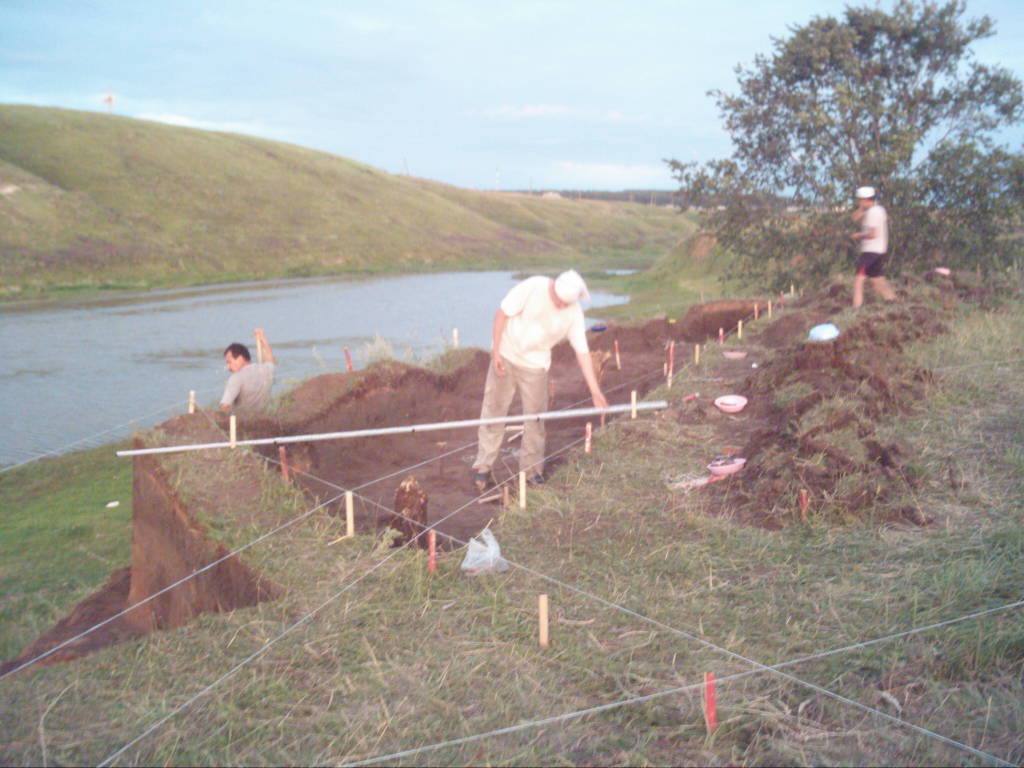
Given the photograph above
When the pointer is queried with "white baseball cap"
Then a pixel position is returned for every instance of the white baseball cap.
(864, 193)
(570, 288)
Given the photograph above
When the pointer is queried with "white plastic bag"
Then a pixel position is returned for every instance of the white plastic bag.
(484, 556)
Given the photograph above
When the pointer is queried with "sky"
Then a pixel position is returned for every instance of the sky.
(503, 94)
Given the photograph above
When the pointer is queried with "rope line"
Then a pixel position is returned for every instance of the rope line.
(758, 667)
(381, 759)
(87, 438)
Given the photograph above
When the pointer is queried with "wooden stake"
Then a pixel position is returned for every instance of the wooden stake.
(542, 621)
(757, 310)
(803, 504)
(769, 309)
(739, 330)
(506, 500)
(671, 361)
(586, 438)
(348, 360)
(632, 404)
(696, 354)
(350, 515)
(710, 713)
(618, 362)
(782, 299)
(792, 290)
(440, 462)
(233, 428)
(455, 338)
(431, 551)
(721, 335)
(191, 401)
(522, 490)
(282, 455)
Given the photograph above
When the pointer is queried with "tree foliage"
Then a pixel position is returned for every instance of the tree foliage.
(894, 100)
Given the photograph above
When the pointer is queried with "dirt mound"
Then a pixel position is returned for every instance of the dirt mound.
(816, 408)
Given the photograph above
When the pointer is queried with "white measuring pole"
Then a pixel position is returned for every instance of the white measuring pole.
(655, 405)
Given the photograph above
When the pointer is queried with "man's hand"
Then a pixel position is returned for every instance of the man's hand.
(499, 363)
(600, 401)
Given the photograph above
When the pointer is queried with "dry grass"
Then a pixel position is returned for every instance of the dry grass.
(648, 592)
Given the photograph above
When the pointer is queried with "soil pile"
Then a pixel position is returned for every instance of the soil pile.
(815, 412)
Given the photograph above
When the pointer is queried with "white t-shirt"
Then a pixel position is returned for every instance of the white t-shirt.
(250, 386)
(875, 216)
(535, 325)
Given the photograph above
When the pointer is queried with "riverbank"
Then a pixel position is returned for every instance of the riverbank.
(413, 660)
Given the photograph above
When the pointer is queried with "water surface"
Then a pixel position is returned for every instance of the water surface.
(90, 372)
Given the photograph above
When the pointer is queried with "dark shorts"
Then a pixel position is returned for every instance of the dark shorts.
(870, 264)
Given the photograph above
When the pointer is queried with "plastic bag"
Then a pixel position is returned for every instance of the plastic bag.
(484, 556)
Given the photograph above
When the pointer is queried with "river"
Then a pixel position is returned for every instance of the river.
(90, 372)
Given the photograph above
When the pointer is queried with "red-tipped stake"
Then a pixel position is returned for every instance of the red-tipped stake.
(348, 360)
(618, 362)
(431, 550)
(671, 361)
(710, 715)
(282, 455)
(721, 336)
(691, 397)
(782, 299)
(803, 504)
(586, 438)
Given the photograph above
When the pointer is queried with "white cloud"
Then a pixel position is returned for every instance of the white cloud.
(615, 176)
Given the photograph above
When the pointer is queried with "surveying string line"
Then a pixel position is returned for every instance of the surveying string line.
(58, 451)
(263, 649)
(374, 568)
(758, 667)
(392, 757)
(169, 587)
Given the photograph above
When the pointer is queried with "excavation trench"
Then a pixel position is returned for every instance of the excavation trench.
(171, 525)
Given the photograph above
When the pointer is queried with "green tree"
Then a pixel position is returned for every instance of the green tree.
(895, 100)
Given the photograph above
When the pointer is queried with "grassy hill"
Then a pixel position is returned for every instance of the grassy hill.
(100, 201)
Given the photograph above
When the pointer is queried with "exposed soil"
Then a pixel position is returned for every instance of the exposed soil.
(811, 424)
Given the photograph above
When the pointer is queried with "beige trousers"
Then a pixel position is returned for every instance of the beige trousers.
(532, 385)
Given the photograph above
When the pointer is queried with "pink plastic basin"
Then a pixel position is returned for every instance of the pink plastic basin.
(734, 354)
(731, 403)
(728, 466)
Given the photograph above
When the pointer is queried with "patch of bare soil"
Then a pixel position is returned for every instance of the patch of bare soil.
(814, 412)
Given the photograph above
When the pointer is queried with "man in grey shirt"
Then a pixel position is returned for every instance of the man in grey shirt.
(250, 383)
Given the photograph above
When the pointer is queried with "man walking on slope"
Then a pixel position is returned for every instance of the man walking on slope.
(533, 317)
(250, 383)
(874, 242)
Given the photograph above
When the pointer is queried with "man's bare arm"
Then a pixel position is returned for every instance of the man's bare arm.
(587, 368)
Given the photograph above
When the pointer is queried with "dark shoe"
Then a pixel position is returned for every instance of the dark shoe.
(536, 480)
(483, 481)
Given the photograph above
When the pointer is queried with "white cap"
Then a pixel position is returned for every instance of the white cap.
(570, 288)
(864, 193)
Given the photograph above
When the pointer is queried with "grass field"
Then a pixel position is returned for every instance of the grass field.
(99, 202)
(369, 657)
